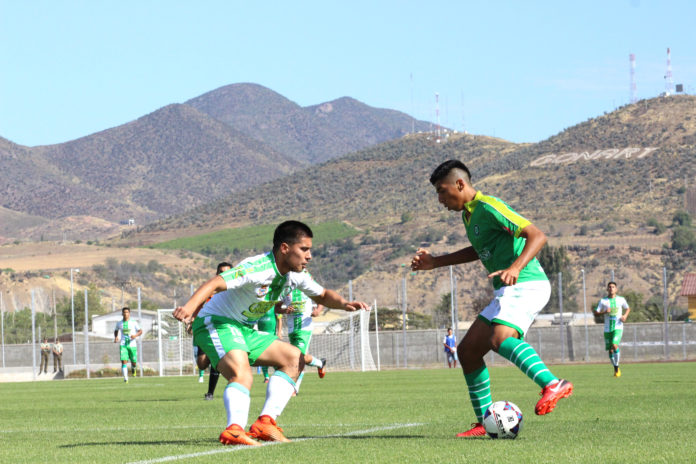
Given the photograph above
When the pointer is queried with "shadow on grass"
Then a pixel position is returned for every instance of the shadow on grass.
(194, 442)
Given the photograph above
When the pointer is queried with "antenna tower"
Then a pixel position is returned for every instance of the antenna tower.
(668, 75)
(634, 97)
(437, 113)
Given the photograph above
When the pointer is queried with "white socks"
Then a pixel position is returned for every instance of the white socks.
(279, 391)
(236, 399)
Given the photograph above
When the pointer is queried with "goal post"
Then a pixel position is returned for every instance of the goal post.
(174, 345)
(345, 343)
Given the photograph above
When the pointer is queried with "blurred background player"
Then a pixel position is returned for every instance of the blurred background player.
(129, 330)
(507, 245)
(202, 360)
(270, 323)
(450, 343)
(224, 329)
(612, 307)
(300, 311)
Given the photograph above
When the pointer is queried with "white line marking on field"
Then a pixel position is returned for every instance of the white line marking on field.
(242, 447)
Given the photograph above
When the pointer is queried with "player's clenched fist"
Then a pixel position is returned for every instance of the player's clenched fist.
(423, 260)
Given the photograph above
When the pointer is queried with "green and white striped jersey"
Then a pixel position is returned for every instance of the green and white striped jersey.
(494, 230)
(616, 305)
(127, 328)
(254, 286)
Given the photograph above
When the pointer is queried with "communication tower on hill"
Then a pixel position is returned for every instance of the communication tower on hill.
(437, 113)
(634, 97)
(669, 85)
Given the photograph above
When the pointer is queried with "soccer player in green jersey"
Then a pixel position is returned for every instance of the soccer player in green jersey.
(270, 323)
(300, 311)
(507, 245)
(613, 307)
(224, 328)
(130, 330)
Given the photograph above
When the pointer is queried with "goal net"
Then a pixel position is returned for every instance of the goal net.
(175, 345)
(345, 343)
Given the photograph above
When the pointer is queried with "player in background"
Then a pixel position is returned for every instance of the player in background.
(224, 329)
(270, 323)
(202, 360)
(450, 344)
(300, 311)
(130, 330)
(507, 245)
(612, 307)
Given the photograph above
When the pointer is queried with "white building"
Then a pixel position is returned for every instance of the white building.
(104, 325)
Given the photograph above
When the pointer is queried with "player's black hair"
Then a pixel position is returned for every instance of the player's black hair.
(611, 282)
(290, 232)
(220, 266)
(444, 169)
(125, 308)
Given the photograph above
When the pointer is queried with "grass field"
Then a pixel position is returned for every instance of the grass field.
(647, 415)
(253, 238)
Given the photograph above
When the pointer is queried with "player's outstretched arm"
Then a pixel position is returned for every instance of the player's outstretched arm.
(332, 299)
(424, 261)
(205, 291)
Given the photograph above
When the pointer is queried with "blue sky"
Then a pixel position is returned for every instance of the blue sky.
(522, 71)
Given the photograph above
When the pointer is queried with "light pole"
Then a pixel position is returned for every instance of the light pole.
(72, 312)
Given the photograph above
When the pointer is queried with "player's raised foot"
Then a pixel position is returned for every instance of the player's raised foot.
(477, 430)
(235, 435)
(550, 396)
(322, 370)
(208, 396)
(266, 429)
(617, 372)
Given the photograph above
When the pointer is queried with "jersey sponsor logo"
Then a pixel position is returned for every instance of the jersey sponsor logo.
(258, 309)
(262, 291)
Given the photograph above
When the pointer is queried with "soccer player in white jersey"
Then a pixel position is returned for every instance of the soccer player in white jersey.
(129, 330)
(300, 311)
(613, 307)
(224, 328)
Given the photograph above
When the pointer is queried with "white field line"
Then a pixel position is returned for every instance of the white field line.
(232, 449)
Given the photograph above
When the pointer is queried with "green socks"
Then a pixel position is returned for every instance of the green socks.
(479, 384)
(522, 355)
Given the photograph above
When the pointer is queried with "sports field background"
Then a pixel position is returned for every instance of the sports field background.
(647, 415)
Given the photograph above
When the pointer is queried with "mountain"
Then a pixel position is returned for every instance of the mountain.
(310, 134)
(181, 156)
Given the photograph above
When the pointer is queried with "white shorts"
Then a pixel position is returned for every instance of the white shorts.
(517, 305)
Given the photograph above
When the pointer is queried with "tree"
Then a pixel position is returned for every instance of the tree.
(555, 260)
(95, 306)
(442, 313)
(683, 239)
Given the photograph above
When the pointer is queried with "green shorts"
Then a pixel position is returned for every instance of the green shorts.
(217, 335)
(129, 353)
(612, 338)
(300, 339)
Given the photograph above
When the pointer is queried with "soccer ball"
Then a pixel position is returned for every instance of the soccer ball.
(502, 419)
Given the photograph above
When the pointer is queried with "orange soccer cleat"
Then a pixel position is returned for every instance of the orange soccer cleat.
(322, 370)
(550, 396)
(266, 429)
(235, 435)
(477, 430)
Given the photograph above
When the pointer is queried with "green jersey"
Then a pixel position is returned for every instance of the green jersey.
(494, 231)
(127, 328)
(616, 306)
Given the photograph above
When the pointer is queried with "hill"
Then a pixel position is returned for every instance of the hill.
(178, 157)
(310, 134)
(595, 188)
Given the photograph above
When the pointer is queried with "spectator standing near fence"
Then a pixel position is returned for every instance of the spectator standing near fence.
(45, 351)
(57, 357)
(450, 343)
(613, 307)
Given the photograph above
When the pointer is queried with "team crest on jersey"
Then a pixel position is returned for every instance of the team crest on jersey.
(485, 254)
(262, 291)
(476, 229)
